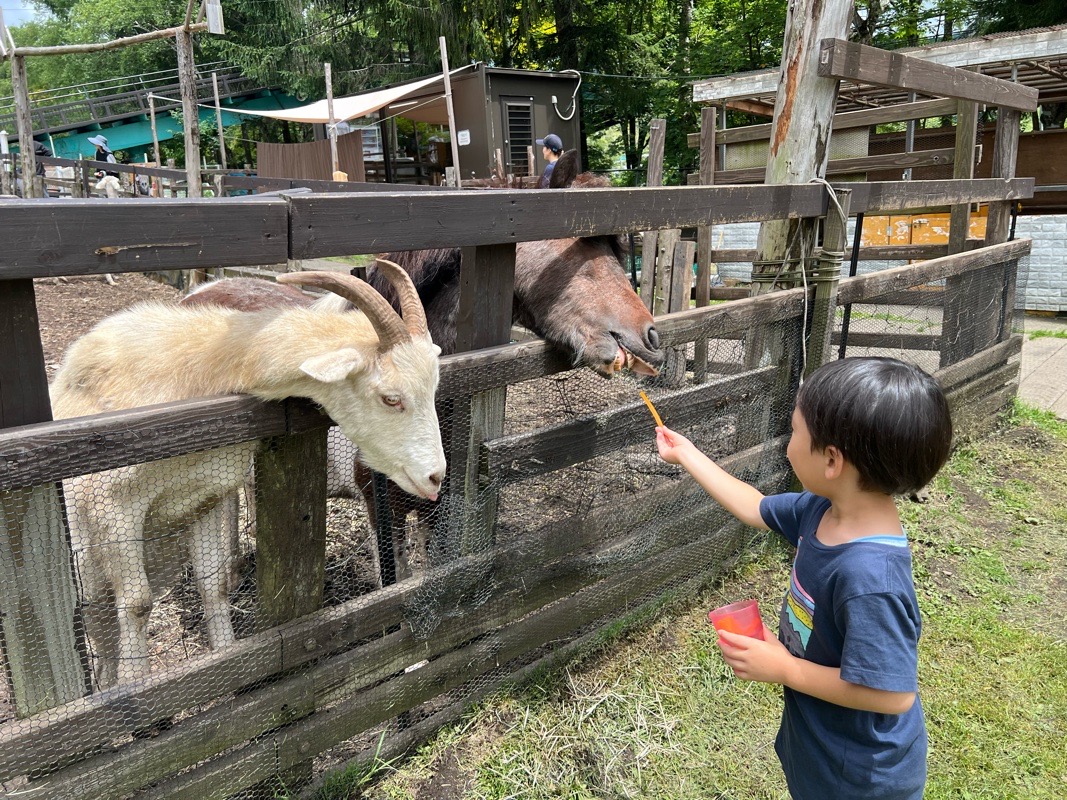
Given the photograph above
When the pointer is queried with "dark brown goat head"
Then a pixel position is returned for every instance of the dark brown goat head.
(574, 292)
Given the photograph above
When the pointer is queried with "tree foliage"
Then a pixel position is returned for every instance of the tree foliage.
(637, 57)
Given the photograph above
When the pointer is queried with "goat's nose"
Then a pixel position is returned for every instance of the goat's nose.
(652, 337)
(436, 479)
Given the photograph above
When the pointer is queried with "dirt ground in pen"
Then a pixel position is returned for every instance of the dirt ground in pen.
(67, 310)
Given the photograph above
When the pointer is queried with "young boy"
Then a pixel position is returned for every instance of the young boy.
(864, 429)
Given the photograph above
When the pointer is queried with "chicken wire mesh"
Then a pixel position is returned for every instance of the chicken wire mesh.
(558, 518)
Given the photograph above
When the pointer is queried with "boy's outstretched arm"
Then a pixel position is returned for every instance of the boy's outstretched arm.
(736, 496)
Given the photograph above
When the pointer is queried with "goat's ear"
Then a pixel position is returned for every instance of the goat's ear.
(334, 367)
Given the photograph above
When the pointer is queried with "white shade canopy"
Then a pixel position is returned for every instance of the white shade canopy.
(416, 100)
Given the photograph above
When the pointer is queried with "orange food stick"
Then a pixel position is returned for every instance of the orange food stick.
(651, 408)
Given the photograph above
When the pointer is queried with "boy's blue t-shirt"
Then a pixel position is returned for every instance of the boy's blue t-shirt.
(851, 606)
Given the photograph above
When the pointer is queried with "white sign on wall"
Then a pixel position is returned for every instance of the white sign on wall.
(463, 137)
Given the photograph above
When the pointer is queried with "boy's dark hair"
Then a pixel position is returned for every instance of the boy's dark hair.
(889, 419)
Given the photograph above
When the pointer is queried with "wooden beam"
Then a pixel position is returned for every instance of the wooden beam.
(114, 44)
(846, 166)
(875, 284)
(901, 112)
(888, 196)
(752, 107)
(354, 223)
(49, 238)
(862, 64)
(526, 455)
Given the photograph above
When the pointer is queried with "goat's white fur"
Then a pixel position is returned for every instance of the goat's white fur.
(153, 353)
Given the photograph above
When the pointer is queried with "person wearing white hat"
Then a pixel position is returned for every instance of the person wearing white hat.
(103, 151)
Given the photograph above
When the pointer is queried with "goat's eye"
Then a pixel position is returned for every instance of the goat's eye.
(393, 401)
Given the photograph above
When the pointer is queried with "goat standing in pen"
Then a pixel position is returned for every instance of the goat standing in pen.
(374, 373)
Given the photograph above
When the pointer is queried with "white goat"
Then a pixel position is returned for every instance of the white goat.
(373, 373)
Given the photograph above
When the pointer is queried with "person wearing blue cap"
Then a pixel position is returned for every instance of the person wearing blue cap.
(551, 148)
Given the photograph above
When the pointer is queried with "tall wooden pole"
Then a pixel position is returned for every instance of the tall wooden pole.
(803, 108)
(183, 39)
(218, 119)
(451, 112)
(155, 132)
(20, 88)
(332, 129)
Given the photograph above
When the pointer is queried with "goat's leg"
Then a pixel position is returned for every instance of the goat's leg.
(133, 593)
(231, 514)
(209, 550)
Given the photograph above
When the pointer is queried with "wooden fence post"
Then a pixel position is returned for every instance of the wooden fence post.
(7, 178)
(183, 41)
(487, 287)
(826, 274)
(656, 139)
(20, 88)
(42, 641)
(290, 478)
(967, 325)
(704, 237)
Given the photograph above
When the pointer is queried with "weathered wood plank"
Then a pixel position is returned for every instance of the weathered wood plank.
(69, 732)
(522, 456)
(967, 370)
(850, 119)
(38, 607)
(897, 252)
(237, 720)
(891, 340)
(80, 237)
(33, 454)
(859, 63)
(1002, 375)
(23, 382)
(979, 416)
(880, 197)
(861, 287)
(290, 477)
(343, 224)
(845, 166)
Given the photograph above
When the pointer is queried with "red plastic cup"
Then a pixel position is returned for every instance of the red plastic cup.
(742, 618)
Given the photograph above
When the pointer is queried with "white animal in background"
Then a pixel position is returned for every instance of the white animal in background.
(109, 185)
(375, 374)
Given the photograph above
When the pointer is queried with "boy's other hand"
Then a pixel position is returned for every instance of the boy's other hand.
(671, 445)
(765, 660)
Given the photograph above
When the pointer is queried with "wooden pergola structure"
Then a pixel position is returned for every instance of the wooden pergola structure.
(1035, 58)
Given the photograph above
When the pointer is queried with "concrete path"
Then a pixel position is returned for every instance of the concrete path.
(1043, 372)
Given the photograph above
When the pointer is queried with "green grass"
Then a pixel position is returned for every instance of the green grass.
(1045, 334)
(657, 714)
(353, 261)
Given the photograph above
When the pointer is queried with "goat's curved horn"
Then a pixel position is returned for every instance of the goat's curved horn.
(410, 304)
(387, 323)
